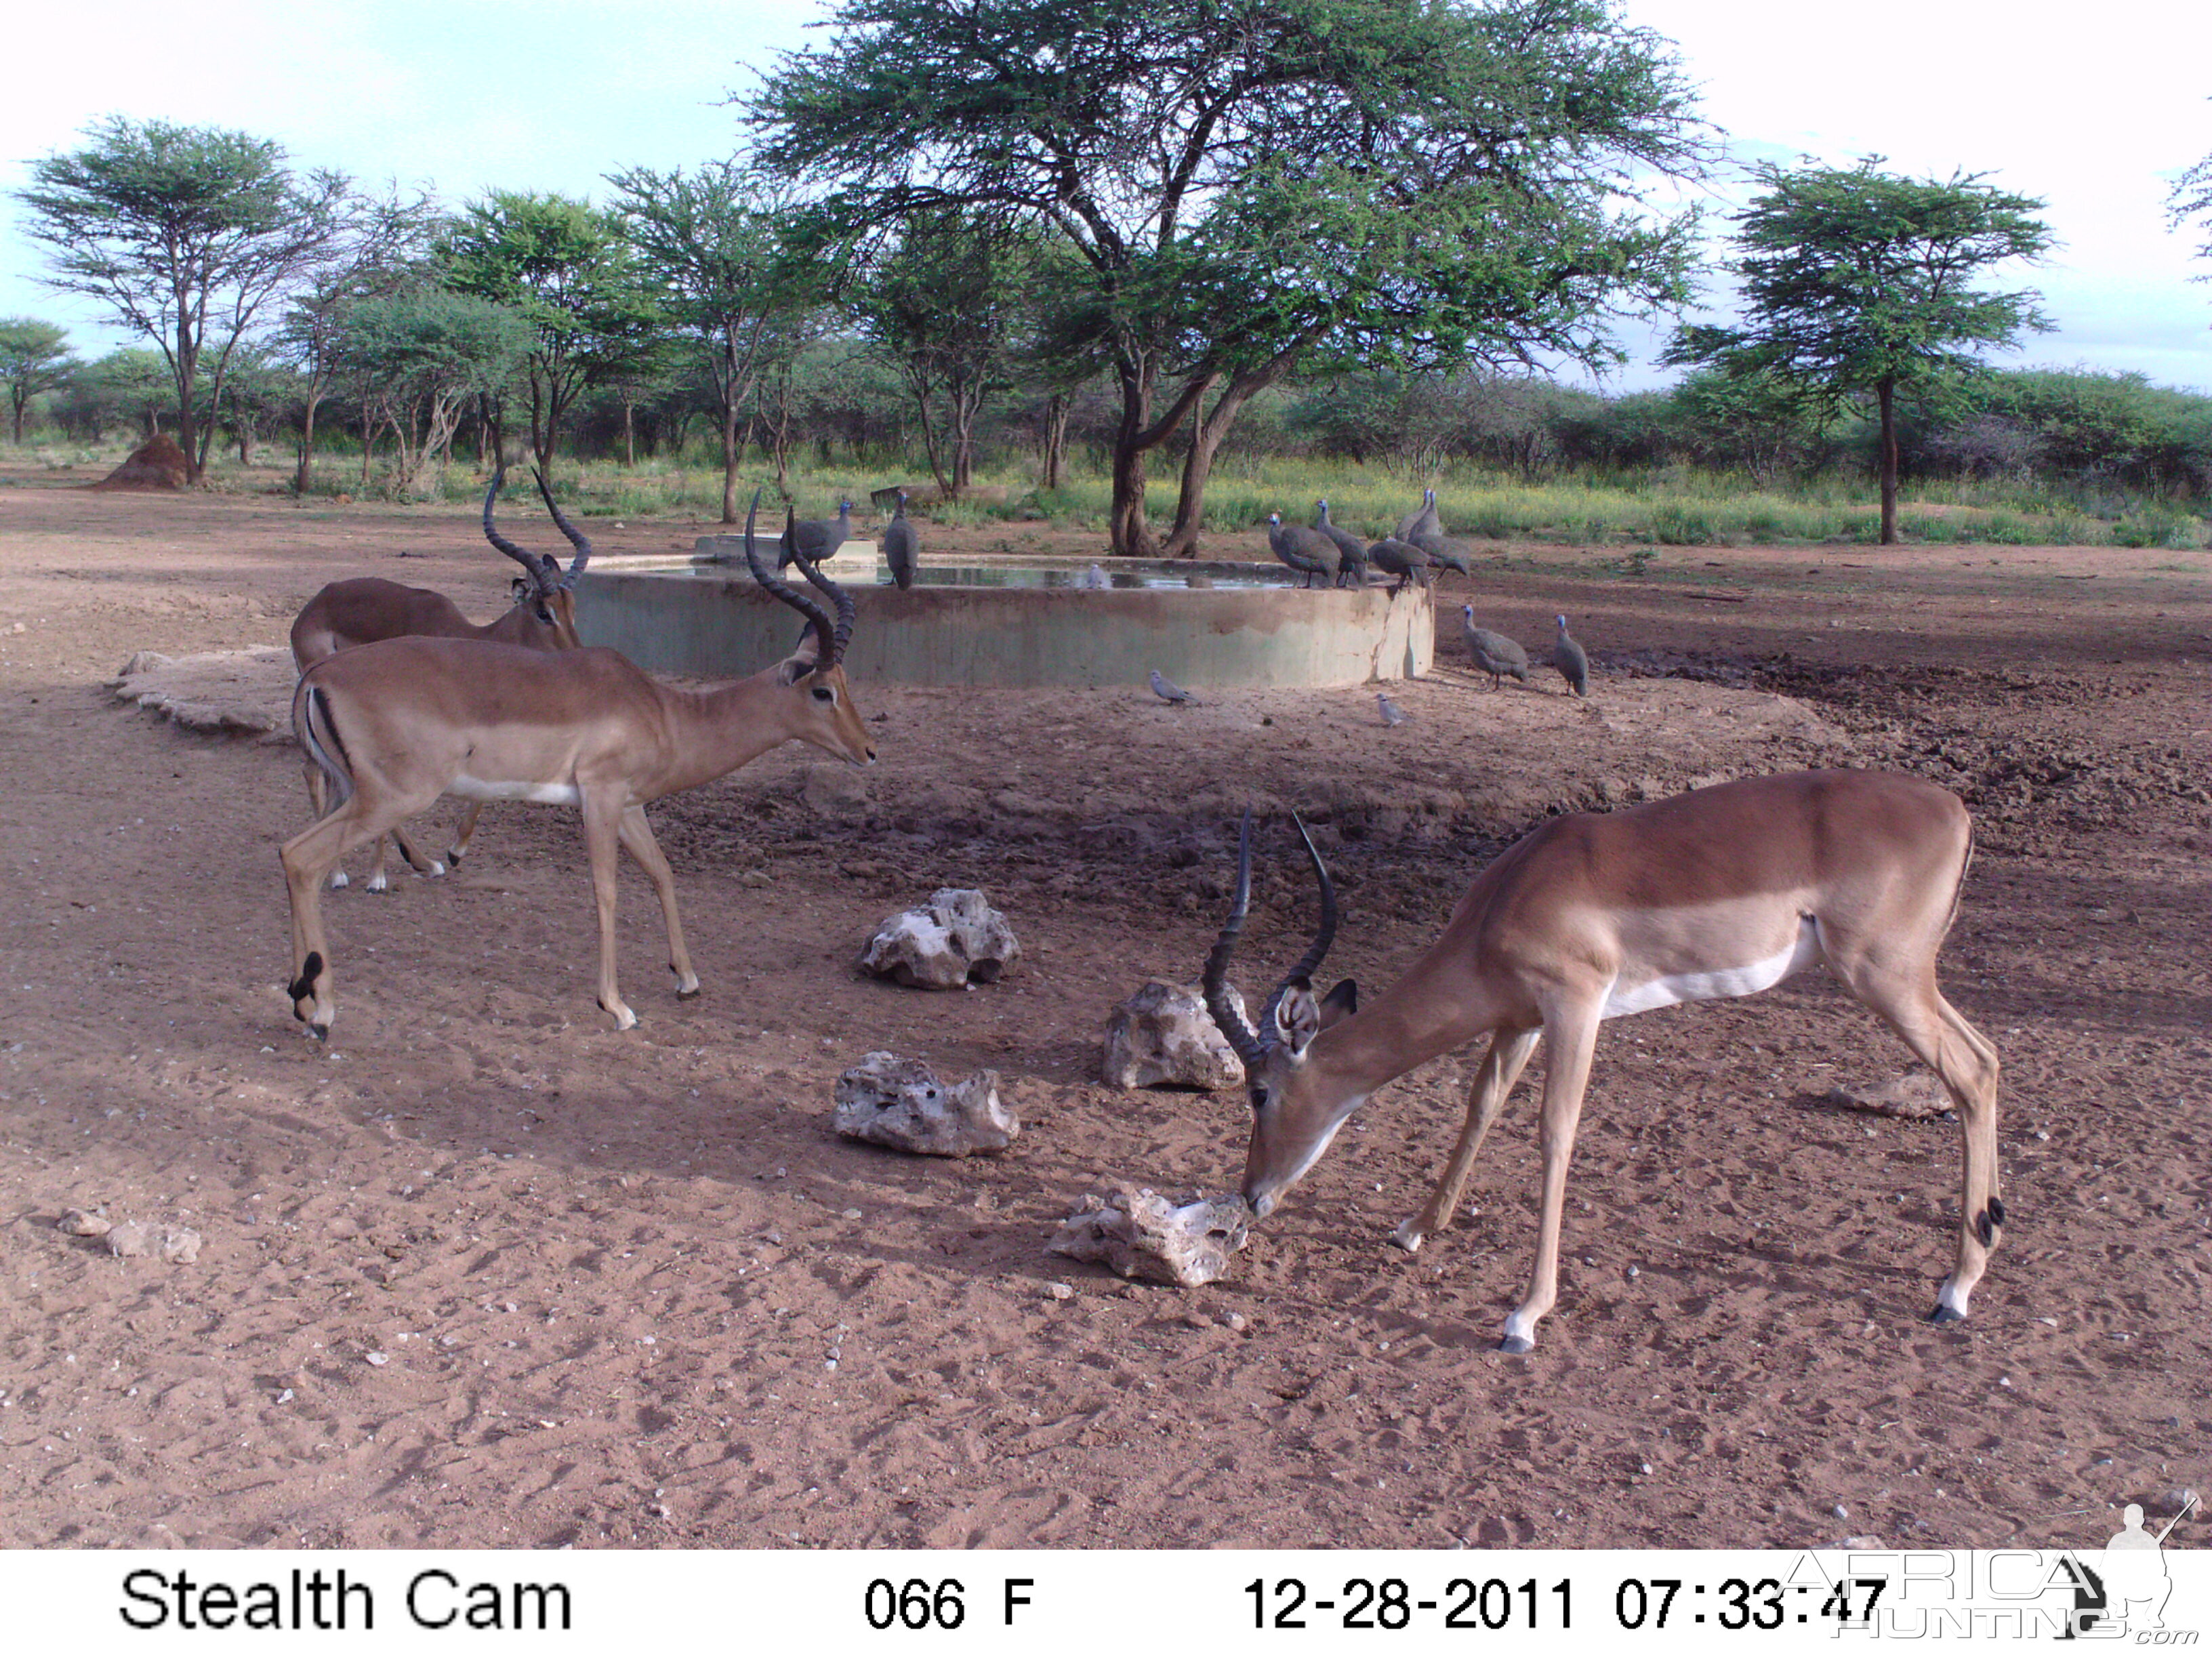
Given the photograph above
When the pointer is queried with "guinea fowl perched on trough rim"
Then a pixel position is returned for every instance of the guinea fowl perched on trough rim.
(1307, 551)
(1572, 660)
(1493, 654)
(900, 547)
(1401, 559)
(818, 538)
(1352, 552)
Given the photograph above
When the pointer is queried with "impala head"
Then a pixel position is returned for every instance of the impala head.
(826, 717)
(1296, 1107)
(546, 595)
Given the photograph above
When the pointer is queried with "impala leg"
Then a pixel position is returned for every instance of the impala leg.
(1501, 1069)
(318, 799)
(420, 866)
(637, 836)
(1570, 1040)
(1964, 1059)
(309, 857)
(466, 833)
(603, 815)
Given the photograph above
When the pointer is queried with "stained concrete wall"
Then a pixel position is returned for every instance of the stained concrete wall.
(715, 623)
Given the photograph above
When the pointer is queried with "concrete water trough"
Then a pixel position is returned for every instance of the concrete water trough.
(1021, 623)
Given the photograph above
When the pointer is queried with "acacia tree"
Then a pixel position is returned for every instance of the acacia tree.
(1251, 183)
(34, 357)
(1859, 283)
(378, 251)
(186, 234)
(735, 266)
(420, 357)
(945, 305)
(568, 269)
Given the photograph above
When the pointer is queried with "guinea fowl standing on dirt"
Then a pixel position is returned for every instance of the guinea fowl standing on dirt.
(899, 546)
(1352, 552)
(1493, 654)
(1306, 551)
(1401, 559)
(1572, 660)
(818, 538)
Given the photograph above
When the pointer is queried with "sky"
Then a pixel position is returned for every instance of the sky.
(2094, 110)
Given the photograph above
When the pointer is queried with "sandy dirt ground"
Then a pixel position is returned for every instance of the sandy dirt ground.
(482, 1271)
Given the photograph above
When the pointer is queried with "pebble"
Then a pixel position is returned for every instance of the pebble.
(850, 1215)
(1058, 1293)
(1841, 1514)
(1236, 1322)
(376, 1358)
(84, 1224)
(2178, 1499)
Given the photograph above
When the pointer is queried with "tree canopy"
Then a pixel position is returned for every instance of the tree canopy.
(1858, 283)
(568, 269)
(1383, 182)
(186, 234)
(34, 357)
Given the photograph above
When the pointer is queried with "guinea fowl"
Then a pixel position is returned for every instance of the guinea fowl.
(1350, 550)
(1493, 654)
(818, 538)
(1401, 559)
(1306, 551)
(1443, 554)
(1572, 660)
(900, 547)
(1421, 521)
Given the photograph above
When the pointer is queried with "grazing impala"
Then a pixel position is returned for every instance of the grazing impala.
(365, 609)
(396, 724)
(1717, 893)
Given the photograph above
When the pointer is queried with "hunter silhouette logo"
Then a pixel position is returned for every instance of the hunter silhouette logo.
(2126, 1591)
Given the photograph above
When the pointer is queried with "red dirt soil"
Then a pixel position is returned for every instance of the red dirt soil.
(629, 1289)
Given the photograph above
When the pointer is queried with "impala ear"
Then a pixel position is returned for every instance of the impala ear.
(1343, 999)
(1297, 1018)
(792, 670)
(520, 589)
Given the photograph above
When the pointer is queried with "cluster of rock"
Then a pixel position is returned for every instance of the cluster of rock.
(132, 1238)
(1140, 1235)
(1163, 1036)
(955, 940)
(901, 1103)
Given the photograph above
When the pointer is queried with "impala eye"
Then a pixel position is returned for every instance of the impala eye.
(1259, 1097)
(824, 694)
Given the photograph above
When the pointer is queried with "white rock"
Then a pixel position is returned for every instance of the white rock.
(130, 1238)
(1140, 1235)
(1165, 1036)
(179, 1244)
(954, 940)
(901, 1103)
(84, 1224)
(1913, 1095)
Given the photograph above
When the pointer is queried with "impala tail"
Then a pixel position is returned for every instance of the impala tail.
(318, 736)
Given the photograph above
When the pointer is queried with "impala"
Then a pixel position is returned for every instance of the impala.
(1720, 892)
(396, 724)
(365, 609)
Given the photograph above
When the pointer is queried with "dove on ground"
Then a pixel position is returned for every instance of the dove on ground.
(1167, 690)
(1392, 714)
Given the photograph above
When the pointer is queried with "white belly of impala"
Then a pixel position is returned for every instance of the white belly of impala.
(545, 794)
(1702, 987)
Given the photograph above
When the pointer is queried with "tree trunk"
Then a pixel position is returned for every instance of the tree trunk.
(17, 397)
(1128, 533)
(730, 462)
(306, 474)
(629, 433)
(1055, 437)
(1886, 391)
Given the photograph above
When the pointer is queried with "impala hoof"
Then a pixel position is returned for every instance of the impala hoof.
(691, 995)
(338, 878)
(1944, 1314)
(1408, 1237)
(378, 883)
(320, 1033)
(1517, 1344)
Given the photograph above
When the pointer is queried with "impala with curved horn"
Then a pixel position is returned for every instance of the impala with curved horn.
(1720, 892)
(396, 724)
(365, 609)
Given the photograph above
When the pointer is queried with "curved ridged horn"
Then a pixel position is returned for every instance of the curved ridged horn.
(576, 537)
(1248, 1048)
(545, 571)
(825, 634)
(837, 596)
(1324, 936)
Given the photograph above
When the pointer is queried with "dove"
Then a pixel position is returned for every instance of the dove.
(1167, 690)
(1392, 714)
